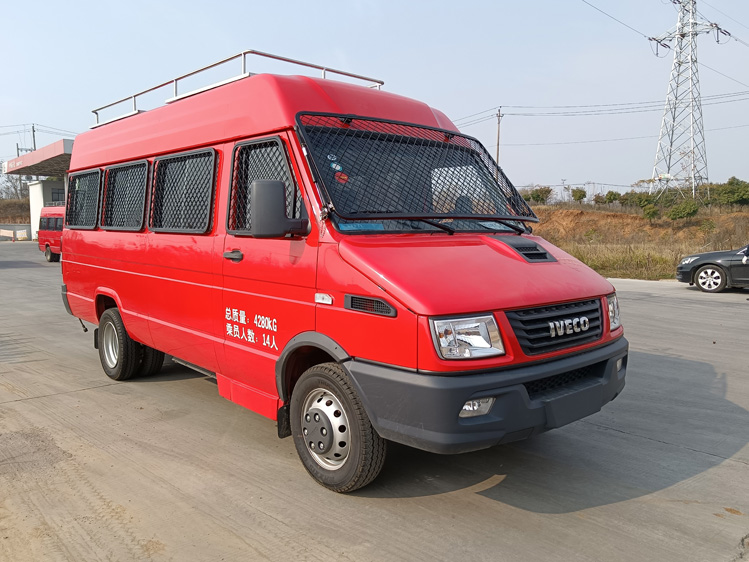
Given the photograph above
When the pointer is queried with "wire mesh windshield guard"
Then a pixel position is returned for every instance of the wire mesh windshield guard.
(373, 170)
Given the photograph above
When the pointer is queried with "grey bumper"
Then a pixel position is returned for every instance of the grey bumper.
(421, 409)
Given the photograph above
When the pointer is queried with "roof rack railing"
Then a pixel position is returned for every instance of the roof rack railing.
(174, 82)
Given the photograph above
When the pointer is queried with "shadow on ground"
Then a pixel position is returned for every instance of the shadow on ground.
(671, 423)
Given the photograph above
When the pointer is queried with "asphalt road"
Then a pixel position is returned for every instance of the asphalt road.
(165, 469)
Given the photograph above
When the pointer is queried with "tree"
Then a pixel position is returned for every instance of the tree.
(541, 194)
(612, 196)
(651, 212)
(599, 199)
(525, 193)
(12, 187)
(684, 210)
(578, 194)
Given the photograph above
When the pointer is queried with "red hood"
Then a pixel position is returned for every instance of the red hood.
(434, 275)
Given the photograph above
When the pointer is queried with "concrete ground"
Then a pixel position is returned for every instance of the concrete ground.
(165, 469)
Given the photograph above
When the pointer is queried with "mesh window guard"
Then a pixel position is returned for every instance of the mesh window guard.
(263, 160)
(182, 193)
(373, 169)
(83, 200)
(124, 197)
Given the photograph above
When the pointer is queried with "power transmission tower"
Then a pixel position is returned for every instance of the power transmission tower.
(681, 160)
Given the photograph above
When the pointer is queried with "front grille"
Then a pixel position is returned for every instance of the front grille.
(533, 326)
(542, 386)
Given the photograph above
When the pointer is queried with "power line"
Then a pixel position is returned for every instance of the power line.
(724, 75)
(725, 14)
(616, 20)
(617, 107)
(717, 100)
(594, 141)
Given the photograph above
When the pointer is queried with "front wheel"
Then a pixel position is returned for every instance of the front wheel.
(710, 279)
(48, 254)
(332, 433)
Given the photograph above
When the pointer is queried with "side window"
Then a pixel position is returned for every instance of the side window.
(259, 160)
(124, 197)
(43, 223)
(182, 192)
(58, 195)
(83, 200)
(58, 223)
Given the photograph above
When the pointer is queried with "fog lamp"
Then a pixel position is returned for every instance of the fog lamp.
(619, 364)
(477, 407)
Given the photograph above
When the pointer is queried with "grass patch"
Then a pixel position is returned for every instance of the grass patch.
(630, 261)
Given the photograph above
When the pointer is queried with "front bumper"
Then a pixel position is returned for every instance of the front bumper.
(421, 409)
(684, 274)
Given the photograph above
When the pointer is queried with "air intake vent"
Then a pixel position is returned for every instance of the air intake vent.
(531, 251)
(540, 387)
(370, 305)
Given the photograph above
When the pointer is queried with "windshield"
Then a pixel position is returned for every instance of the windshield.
(377, 176)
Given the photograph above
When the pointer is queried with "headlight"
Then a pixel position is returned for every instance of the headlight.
(614, 320)
(467, 338)
(688, 260)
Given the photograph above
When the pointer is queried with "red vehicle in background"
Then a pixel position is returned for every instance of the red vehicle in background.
(50, 231)
(344, 261)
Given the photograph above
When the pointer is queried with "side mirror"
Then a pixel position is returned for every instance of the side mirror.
(268, 211)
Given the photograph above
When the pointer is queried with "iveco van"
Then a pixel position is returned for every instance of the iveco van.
(50, 231)
(344, 261)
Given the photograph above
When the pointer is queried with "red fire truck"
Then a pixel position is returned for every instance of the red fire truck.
(344, 261)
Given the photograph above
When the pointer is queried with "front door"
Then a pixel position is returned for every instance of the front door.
(268, 284)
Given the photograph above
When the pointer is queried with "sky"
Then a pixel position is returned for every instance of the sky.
(61, 60)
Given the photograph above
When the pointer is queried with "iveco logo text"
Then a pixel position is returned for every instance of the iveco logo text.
(569, 326)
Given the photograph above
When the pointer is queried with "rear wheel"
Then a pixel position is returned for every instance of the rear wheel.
(48, 254)
(55, 257)
(118, 352)
(151, 362)
(710, 279)
(332, 433)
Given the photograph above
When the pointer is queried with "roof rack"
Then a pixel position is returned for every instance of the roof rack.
(174, 82)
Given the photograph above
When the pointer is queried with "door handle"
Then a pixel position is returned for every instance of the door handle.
(235, 255)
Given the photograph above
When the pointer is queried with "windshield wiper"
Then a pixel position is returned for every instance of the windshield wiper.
(448, 229)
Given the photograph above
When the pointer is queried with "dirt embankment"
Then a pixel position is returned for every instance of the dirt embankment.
(710, 231)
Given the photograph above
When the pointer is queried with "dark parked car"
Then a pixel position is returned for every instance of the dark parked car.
(715, 271)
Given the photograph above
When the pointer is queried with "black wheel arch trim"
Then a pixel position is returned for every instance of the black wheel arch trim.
(306, 339)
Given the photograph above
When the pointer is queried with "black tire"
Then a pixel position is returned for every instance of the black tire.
(118, 352)
(710, 279)
(150, 363)
(332, 433)
(48, 254)
(55, 257)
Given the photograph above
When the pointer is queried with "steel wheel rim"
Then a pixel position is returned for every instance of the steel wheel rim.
(325, 429)
(110, 345)
(709, 279)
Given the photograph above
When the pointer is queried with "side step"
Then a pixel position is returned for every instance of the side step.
(200, 370)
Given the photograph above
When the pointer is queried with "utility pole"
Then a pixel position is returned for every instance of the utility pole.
(33, 136)
(499, 120)
(681, 159)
